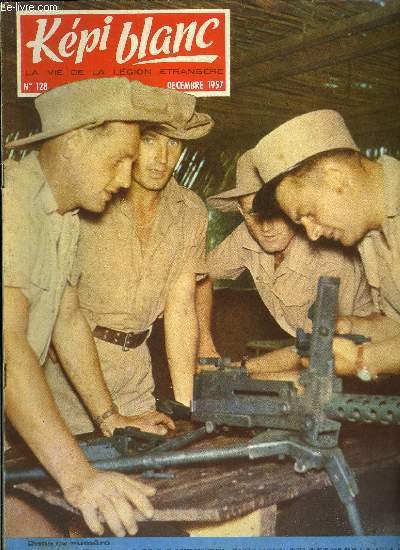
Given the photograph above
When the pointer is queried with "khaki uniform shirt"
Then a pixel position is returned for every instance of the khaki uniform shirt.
(39, 247)
(289, 290)
(380, 249)
(124, 289)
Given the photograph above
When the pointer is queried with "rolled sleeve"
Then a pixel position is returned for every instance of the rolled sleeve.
(363, 302)
(224, 261)
(195, 251)
(354, 292)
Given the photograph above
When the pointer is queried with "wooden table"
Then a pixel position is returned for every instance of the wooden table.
(241, 498)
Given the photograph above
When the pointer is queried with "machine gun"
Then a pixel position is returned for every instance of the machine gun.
(304, 426)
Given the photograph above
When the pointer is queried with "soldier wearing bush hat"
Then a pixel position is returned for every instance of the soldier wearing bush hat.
(315, 171)
(140, 261)
(89, 140)
(90, 103)
(284, 265)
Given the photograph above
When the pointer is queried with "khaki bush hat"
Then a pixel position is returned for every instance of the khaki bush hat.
(297, 140)
(176, 116)
(247, 181)
(90, 103)
(199, 125)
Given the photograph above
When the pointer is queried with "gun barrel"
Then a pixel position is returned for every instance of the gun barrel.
(140, 463)
(379, 409)
(182, 440)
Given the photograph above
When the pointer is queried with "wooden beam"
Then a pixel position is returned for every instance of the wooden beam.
(275, 109)
(362, 124)
(274, 104)
(351, 25)
(357, 36)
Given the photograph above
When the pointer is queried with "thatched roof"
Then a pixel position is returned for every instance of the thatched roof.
(288, 57)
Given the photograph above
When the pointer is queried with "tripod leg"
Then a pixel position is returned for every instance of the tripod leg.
(345, 484)
(354, 517)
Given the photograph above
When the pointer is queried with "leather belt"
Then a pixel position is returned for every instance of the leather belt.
(127, 340)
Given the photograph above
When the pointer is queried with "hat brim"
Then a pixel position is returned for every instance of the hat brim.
(43, 136)
(202, 126)
(193, 133)
(34, 138)
(248, 182)
(300, 139)
(228, 200)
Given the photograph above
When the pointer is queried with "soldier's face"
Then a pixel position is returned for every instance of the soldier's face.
(328, 201)
(158, 155)
(273, 235)
(107, 155)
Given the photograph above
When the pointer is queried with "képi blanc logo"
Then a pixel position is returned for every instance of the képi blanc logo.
(166, 40)
(191, 45)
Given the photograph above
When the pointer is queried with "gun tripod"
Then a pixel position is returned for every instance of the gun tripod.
(309, 458)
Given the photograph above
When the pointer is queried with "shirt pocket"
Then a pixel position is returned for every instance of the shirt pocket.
(293, 291)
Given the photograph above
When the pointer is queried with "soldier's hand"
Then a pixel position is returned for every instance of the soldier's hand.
(276, 361)
(345, 353)
(152, 421)
(204, 352)
(112, 499)
(206, 367)
(344, 325)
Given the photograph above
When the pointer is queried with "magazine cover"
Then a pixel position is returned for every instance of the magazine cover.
(201, 266)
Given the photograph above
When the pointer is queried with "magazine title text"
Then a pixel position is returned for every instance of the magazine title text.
(150, 42)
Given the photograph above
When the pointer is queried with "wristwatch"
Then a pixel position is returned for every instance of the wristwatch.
(364, 374)
(362, 370)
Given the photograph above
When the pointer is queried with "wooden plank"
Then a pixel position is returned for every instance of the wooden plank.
(260, 523)
(357, 36)
(221, 492)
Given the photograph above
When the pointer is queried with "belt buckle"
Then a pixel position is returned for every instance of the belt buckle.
(125, 347)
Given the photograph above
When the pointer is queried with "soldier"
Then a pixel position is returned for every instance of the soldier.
(313, 168)
(284, 265)
(139, 261)
(89, 141)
